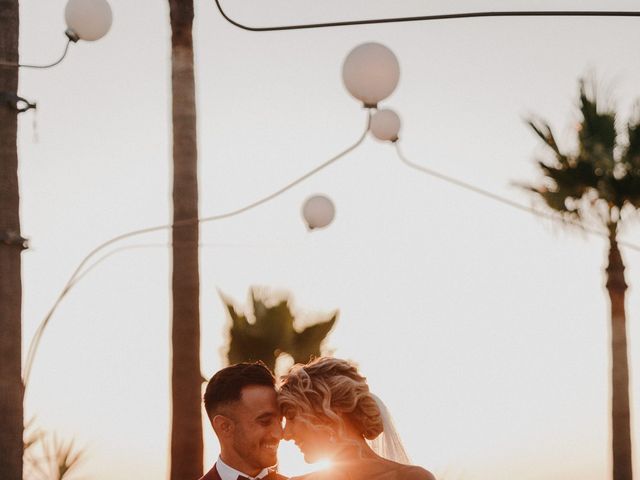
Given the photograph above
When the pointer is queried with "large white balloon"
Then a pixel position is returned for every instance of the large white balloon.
(318, 211)
(385, 125)
(88, 19)
(371, 73)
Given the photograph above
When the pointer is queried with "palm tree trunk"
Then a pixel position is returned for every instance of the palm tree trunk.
(11, 388)
(620, 416)
(186, 379)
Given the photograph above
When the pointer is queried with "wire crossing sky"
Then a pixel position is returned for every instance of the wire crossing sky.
(484, 330)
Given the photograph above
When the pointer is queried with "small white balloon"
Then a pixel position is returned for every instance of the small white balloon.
(88, 19)
(371, 73)
(318, 211)
(385, 125)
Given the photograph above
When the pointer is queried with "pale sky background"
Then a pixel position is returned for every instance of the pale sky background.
(483, 328)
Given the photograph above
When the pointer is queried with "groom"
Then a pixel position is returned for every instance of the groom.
(242, 406)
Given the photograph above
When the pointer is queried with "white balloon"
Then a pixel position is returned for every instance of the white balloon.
(385, 125)
(88, 19)
(371, 73)
(318, 211)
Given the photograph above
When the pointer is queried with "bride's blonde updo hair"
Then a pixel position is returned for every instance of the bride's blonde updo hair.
(330, 394)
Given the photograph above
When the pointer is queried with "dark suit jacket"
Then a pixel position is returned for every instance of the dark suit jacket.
(213, 475)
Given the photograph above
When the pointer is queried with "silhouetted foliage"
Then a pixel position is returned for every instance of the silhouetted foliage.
(274, 331)
(602, 178)
(47, 457)
(600, 181)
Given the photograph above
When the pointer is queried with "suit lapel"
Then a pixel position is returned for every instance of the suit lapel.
(212, 475)
(273, 474)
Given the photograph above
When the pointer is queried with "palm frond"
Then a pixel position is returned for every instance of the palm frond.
(597, 134)
(631, 154)
(602, 177)
(543, 130)
(306, 344)
(626, 190)
(274, 331)
(48, 457)
(63, 457)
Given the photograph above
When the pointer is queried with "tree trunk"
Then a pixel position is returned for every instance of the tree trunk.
(186, 378)
(11, 388)
(620, 416)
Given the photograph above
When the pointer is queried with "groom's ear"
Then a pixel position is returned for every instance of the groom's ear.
(222, 425)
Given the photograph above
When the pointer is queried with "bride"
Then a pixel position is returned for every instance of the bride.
(330, 413)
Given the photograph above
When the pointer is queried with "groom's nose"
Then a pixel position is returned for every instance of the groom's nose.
(276, 431)
(286, 431)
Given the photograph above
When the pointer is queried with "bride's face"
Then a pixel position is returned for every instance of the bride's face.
(314, 443)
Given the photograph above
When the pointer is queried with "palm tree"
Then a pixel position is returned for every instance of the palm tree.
(186, 380)
(47, 457)
(272, 333)
(11, 244)
(600, 182)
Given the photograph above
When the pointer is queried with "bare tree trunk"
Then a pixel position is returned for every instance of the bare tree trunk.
(186, 378)
(620, 416)
(11, 388)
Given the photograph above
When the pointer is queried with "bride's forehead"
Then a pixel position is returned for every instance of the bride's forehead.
(289, 412)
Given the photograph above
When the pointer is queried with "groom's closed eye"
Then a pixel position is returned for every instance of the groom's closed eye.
(266, 419)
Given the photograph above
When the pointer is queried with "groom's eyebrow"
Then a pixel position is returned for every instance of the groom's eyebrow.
(267, 415)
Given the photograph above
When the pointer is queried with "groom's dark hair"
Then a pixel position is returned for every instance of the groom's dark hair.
(226, 385)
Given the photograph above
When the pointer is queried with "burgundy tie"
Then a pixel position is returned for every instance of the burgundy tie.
(269, 476)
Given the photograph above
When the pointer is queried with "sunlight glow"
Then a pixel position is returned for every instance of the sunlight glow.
(291, 461)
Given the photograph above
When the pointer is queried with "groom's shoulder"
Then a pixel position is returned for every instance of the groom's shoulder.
(413, 472)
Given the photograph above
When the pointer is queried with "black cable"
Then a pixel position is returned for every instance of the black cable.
(80, 270)
(423, 18)
(25, 65)
(556, 217)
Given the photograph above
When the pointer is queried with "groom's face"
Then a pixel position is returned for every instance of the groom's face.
(257, 427)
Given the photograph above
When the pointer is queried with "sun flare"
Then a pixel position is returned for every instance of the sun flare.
(291, 461)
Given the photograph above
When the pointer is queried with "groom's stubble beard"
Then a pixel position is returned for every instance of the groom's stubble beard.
(255, 450)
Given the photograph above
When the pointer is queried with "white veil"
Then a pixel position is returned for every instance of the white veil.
(388, 444)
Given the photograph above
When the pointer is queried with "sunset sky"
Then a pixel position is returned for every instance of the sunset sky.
(484, 329)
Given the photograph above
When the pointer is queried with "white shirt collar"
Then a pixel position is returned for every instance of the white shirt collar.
(228, 473)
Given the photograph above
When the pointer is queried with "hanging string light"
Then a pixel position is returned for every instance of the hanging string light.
(87, 20)
(318, 211)
(385, 125)
(371, 73)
